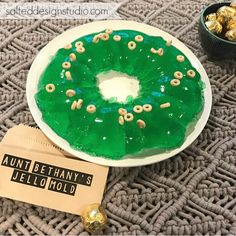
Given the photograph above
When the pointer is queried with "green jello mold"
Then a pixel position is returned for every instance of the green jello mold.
(65, 93)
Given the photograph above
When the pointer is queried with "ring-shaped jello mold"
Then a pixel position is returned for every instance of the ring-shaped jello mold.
(104, 131)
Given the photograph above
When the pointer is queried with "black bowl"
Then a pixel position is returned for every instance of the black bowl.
(214, 46)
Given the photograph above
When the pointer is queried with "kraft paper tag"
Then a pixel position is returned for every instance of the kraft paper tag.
(35, 171)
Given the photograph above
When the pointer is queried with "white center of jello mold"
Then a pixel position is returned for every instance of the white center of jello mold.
(117, 85)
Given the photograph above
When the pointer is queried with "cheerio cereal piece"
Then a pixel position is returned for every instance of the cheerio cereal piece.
(100, 35)
(138, 38)
(80, 49)
(168, 43)
(141, 124)
(95, 39)
(165, 105)
(117, 38)
(128, 117)
(79, 104)
(68, 75)
(138, 109)
(180, 58)
(175, 82)
(91, 109)
(66, 65)
(153, 50)
(178, 75)
(121, 120)
(50, 88)
(131, 45)
(105, 37)
(72, 57)
(147, 107)
(73, 105)
(191, 73)
(79, 44)
(109, 31)
(70, 92)
(122, 111)
(160, 51)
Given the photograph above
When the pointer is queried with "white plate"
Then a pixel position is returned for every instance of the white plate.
(43, 58)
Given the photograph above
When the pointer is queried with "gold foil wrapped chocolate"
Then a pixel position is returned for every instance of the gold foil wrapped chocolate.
(225, 13)
(94, 218)
(223, 22)
(211, 17)
(214, 26)
(231, 24)
(231, 35)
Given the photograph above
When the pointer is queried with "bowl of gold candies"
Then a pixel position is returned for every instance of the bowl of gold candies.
(217, 30)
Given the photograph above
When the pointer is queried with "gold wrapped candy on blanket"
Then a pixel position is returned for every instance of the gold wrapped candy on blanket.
(94, 218)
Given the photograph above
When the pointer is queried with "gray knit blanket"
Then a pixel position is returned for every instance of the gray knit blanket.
(192, 193)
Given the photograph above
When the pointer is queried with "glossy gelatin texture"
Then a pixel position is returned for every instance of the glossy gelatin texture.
(99, 133)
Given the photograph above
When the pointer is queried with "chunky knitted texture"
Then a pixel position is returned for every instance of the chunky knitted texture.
(193, 193)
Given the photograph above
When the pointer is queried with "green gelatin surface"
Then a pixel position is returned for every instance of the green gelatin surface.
(100, 133)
